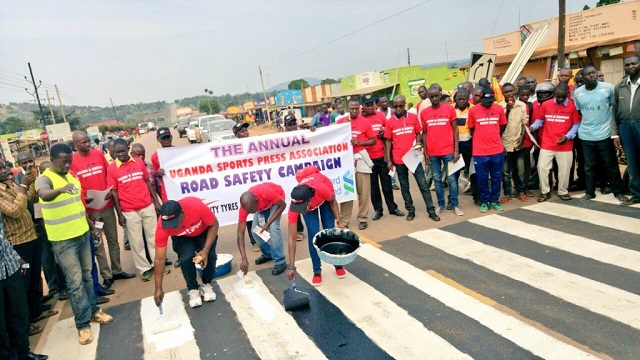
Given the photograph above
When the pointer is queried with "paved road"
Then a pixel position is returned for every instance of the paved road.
(558, 280)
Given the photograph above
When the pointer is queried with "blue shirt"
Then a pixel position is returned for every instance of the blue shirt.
(8, 256)
(595, 107)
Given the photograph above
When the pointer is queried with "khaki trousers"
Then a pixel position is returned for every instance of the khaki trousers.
(110, 231)
(545, 163)
(363, 188)
(137, 222)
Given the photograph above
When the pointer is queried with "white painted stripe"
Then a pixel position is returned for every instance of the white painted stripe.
(607, 199)
(175, 344)
(382, 320)
(599, 218)
(578, 245)
(273, 333)
(597, 297)
(62, 342)
(522, 334)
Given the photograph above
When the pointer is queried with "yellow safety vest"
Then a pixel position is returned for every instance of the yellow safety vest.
(64, 217)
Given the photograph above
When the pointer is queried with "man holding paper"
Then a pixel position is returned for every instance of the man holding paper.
(441, 138)
(402, 133)
(90, 167)
(266, 202)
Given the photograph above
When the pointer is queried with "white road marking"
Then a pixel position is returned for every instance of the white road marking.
(522, 334)
(578, 245)
(597, 297)
(63, 341)
(382, 320)
(599, 218)
(607, 199)
(273, 333)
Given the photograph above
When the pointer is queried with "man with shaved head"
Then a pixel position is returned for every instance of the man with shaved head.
(266, 202)
(90, 167)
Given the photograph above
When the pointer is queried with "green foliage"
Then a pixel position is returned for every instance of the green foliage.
(586, 7)
(298, 84)
(12, 124)
(209, 106)
(606, 2)
(328, 81)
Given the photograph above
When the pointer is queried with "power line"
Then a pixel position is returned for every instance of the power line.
(8, 84)
(5, 88)
(348, 34)
(497, 17)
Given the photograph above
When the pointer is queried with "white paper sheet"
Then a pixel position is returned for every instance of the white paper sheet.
(453, 167)
(530, 135)
(98, 198)
(412, 159)
(263, 234)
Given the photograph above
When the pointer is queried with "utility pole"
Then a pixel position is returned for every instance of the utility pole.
(53, 118)
(38, 98)
(114, 111)
(408, 57)
(562, 6)
(266, 101)
(64, 117)
(446, 53)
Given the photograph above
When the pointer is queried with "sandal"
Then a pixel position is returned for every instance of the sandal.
(46, 314)
(544, 197)
(523, 197)
(34, 329)
(505, 199)
(565, 197)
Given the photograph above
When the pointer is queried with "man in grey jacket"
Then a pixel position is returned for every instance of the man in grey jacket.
(626, 129)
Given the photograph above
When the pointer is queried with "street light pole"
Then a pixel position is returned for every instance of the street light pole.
(38, 98)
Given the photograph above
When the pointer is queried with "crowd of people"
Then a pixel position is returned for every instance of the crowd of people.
(554, 137)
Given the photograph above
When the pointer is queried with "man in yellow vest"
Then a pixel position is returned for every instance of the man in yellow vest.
(68, 230)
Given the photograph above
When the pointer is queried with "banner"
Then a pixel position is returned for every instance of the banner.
(220, 172)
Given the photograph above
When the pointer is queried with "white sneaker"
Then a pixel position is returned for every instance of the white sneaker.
(194, 298)
(457, 211)
(440, 210)
(206, 291)
(467, 187)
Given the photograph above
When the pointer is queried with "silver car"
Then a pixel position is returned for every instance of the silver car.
(218, 130)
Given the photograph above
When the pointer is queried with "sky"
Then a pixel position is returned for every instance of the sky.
(154, 50)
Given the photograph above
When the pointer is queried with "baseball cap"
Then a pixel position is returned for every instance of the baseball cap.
(290, 120)
(163, 132)
(545, 87)
(367, 98)
(170, 214)
(300, 197)
(239, 127)
(488, 95)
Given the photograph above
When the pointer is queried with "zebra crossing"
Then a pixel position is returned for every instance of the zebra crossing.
(555, 280)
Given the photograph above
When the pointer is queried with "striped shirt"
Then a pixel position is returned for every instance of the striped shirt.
(8, 256)
(19, 227)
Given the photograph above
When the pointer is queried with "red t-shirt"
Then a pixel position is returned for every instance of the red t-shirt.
(130, 180)
(267, 193)
(558, 120)
(486, 122)
(155, 161)
(360, 130)
(437, 124)
(402, 133)
(197, 219)
(378, 122)
(91, 170)
(323, 186)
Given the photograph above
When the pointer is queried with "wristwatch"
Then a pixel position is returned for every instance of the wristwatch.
(291, 267)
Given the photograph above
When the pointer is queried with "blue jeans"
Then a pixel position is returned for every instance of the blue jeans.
(514, 167)
(421, 179)
(630, 138)
(274, 248)
(489, 167)
(74, 257)
(312, 220)
(187, 247)
(440, 168)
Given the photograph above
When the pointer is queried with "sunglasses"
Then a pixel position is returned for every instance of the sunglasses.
(398, 106)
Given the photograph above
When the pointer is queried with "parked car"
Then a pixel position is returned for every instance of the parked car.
(183, 125)
(143, 127)
(204, 120)
(218, 130)
(193, 132)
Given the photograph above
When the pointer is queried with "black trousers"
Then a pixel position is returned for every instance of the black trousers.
(31, 253)
(300, 226)
(380, 176)
(601, 154)
(14, 318)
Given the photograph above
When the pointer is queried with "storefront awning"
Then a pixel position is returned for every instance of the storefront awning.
(364, 90)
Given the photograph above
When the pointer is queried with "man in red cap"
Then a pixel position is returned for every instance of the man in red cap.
(315, 200)
(193, 228)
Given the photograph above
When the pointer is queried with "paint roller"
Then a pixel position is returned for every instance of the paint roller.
(295, 299)
(163, 326)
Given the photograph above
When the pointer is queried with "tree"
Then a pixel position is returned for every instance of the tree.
(298, 84)
(13, 124)
(209, 106)
(72, 118)
(606, 2)
(328, 81)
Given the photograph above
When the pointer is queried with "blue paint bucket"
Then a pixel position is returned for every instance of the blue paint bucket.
(337, 247)
(223, 266)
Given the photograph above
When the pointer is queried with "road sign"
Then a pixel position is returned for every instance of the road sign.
(44, 136)
(482, 66)
(59, 131)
